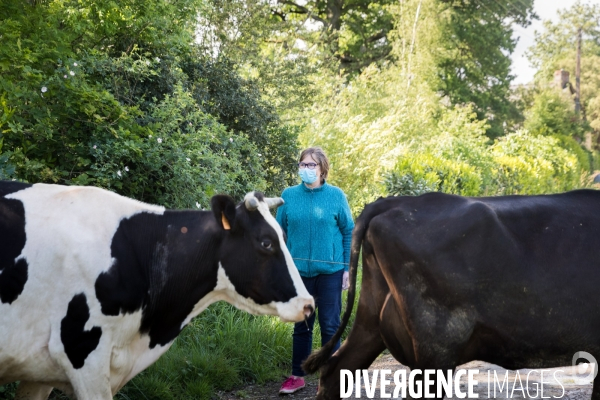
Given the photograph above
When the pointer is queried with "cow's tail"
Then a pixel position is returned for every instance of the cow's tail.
(318, 358)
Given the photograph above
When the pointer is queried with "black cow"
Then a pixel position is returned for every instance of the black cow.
(446, 280)
(94, 287)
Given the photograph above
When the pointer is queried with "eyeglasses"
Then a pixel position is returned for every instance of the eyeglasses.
(309, 165)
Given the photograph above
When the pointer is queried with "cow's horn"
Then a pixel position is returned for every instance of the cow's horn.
(251, 203)
(274, 202)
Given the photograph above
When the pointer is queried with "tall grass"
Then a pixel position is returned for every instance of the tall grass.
(222, 348)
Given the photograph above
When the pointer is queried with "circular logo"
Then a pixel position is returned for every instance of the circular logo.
(592, 363)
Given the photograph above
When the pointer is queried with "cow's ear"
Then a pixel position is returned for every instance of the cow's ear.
(224, 210)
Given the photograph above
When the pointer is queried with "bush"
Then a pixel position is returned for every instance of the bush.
(420, 173)
(75, 110)
(533, 164)
(518, 163)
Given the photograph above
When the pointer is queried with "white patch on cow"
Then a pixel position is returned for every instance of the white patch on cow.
(293, 310)
(225, 290)
(69, 231)
(136, 357)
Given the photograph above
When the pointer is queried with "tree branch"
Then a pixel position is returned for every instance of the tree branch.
(302, 10)
(377, 36)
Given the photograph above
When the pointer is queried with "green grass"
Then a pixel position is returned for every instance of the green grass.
(221, 349)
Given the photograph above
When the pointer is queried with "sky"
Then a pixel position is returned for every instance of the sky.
(545, 9)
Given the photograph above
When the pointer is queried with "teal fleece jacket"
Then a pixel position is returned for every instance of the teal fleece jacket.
(318, 225)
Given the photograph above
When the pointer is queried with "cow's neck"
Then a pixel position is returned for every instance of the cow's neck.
(164, 265)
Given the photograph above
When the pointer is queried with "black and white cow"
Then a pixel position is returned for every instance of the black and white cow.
(510, 280)
(94, 287)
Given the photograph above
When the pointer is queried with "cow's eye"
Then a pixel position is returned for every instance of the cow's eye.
(266, 244)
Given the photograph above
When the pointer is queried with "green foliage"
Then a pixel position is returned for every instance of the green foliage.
(552, 113)
(187, 158)
(8, 391)
(403, 181)
(555, 49)
(421, 173)
(81, 101)
(403, 95)
(532, 164)
(518, 163)
(474, 66)
(352, 32)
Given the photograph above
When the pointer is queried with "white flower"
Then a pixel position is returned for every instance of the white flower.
(260, 155)
(157, 59)
(231, 139)
(44, 89)
(119, 173)
(126, 168)
(159, 140)
(74, 64)
(95, 146)
(188, 159)
(71, 73)
(197, 205)
(65, 77)
(149, 136)
(190, 124)
(147, 62)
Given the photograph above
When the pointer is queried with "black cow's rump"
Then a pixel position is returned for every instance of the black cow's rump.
(78, 343)
(13, 273)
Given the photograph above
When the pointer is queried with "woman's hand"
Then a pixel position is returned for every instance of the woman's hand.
(345, 280)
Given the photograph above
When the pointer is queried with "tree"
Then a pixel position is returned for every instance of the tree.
(353, 32)
(474, 67)
(555, 49)
(89, 90)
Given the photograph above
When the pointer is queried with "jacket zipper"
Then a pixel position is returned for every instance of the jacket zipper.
(310, 233)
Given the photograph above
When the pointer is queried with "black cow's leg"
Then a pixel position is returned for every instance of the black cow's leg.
(394, 333)
(358, 351)
(596, 390)
(364, 343)
(398, 341)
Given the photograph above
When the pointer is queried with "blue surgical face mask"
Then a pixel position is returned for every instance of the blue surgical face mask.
(308, 176)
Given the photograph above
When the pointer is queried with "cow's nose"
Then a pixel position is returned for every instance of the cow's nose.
(308, 310)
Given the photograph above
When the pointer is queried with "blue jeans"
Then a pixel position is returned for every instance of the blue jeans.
(327, 291)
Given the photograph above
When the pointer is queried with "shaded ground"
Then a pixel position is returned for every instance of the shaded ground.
(576, 387)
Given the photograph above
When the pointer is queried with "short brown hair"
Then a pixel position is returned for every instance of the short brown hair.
(319, 156)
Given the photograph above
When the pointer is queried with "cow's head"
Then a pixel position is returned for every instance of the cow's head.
(256, 271)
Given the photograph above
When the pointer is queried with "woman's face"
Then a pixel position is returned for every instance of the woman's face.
(308, 159)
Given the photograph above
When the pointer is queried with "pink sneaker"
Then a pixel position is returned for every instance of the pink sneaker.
(291, 385)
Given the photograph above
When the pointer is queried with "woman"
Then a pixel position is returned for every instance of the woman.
(317, 221)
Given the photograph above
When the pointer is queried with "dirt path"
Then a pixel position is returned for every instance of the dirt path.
(575, 386)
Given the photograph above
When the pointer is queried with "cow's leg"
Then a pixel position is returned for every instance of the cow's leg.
(32, 391)
(89, 384)
(394, 333)
(87, 381)
(596, 390)
(358, 351)
(364, 343)
(399, 342)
